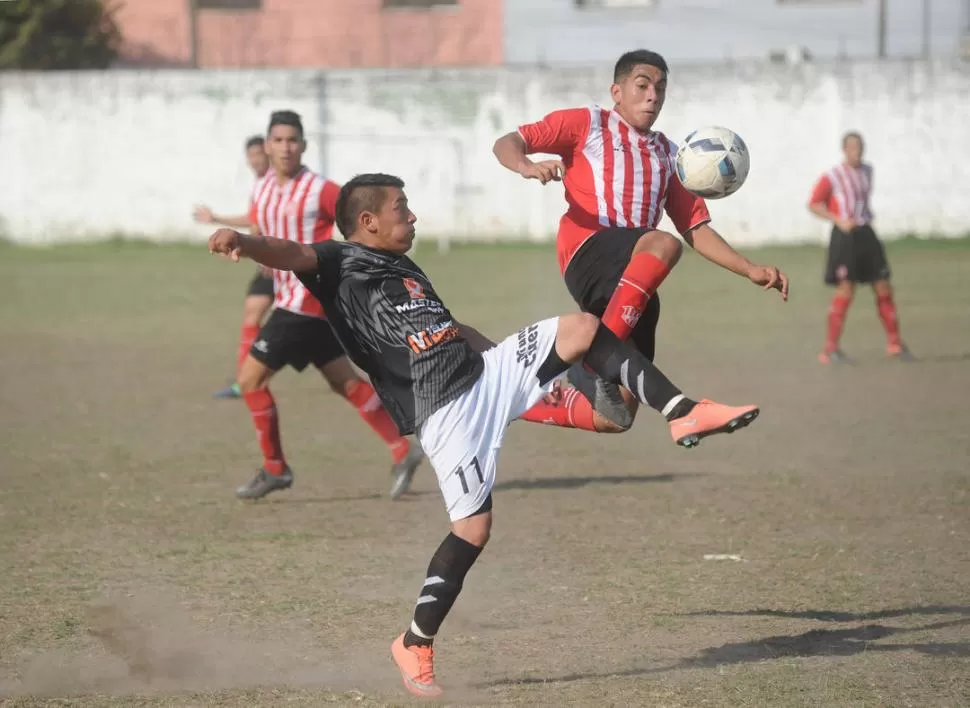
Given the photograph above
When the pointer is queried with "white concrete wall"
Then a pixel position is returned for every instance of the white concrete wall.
(556, 31)
(93, 155)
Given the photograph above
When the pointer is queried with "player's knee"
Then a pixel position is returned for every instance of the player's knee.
(475, 529)
(343, 386)
(575, 335)
(253, 375)
(846, 289)
(254, 309)
(662, 244)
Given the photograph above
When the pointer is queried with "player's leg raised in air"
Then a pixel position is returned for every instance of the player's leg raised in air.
(615, 276)
(463, 439)
(258, 301)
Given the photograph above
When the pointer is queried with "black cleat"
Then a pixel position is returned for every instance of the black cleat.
(603, 395)
(403, 471)
(264, 483)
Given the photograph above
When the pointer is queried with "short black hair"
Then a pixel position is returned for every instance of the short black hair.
(364, 192)
(626, 63)
(255, 141)
(850, 135)
(290, 118)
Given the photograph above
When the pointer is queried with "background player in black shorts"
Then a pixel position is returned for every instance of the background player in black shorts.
(444, 380)
(855, 253)
(259, 293)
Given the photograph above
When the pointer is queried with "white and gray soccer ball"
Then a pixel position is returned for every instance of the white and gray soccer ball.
(712, 162)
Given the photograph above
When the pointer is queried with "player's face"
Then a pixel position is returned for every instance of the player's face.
(257, 160)
(853, 149)
(396, 221)
(640, 96)
(285, 146)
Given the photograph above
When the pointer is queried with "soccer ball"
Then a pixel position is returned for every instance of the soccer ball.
(712, 162)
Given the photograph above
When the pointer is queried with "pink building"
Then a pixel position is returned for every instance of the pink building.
(311, 33)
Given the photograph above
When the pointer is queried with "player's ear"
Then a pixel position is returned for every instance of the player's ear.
(616, 92)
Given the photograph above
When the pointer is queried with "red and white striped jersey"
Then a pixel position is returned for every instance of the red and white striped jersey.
(302, 210)
(845, 190)
(615, 175)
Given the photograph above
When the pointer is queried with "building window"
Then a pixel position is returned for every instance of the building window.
(614, 4)
(228, 4)
(418, 4)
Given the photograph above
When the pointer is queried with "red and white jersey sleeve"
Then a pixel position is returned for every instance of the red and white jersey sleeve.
(301, 210)
(615, 175)
(845, 192)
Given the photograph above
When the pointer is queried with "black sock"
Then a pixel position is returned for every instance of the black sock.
(551, 367)
(446, 574)
(621, 363)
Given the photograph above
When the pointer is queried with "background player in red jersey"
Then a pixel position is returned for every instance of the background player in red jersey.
(855, 254)
(619, 178)
(259, 294)
(293, 203)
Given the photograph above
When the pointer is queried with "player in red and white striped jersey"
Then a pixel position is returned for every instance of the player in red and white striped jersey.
(619, 178)
(294, 203)
(855, 254)
(259, 294)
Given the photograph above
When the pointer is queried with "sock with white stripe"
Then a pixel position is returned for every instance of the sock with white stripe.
(446, 574)
(621, 363)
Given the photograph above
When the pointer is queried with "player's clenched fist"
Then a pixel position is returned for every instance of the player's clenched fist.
(227, 243)
(545, 171)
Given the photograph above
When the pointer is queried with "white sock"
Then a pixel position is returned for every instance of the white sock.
(671, 403)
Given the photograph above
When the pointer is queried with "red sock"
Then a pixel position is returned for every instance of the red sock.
(640, 280)
(572, 411)
(363, 397)
(247, 336)
(267, 424)
(837, 313)
(890, 321)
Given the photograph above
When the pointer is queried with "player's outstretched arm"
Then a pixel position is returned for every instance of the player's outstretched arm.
(205, 215)
(709, 243)
(275, 253)
(513, 154)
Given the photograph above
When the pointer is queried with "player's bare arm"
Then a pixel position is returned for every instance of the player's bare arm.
(512, 153)
(709, 243)
(205, 215)
(275, 253)
(819, 209)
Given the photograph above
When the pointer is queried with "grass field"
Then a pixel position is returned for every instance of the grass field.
(132, 576)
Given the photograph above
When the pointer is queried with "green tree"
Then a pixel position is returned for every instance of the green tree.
(57, 34)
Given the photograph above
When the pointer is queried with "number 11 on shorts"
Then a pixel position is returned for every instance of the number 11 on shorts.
(461, 472)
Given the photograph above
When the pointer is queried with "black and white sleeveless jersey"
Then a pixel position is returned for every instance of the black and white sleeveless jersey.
(392, 325)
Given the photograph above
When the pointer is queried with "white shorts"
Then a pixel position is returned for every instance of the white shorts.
(462, 439)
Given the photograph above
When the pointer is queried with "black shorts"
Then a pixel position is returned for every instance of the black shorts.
(594, 272)
(297, 340)
(260, 285)
(857, 257)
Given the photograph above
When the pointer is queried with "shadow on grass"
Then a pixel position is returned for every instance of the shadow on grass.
(836, 616)
(818, 642)
(576, 482)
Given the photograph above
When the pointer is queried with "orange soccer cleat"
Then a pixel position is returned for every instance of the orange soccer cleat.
(417, 668)
(710, 418)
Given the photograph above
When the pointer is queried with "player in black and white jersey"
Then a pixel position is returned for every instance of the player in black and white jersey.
(447, 382)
